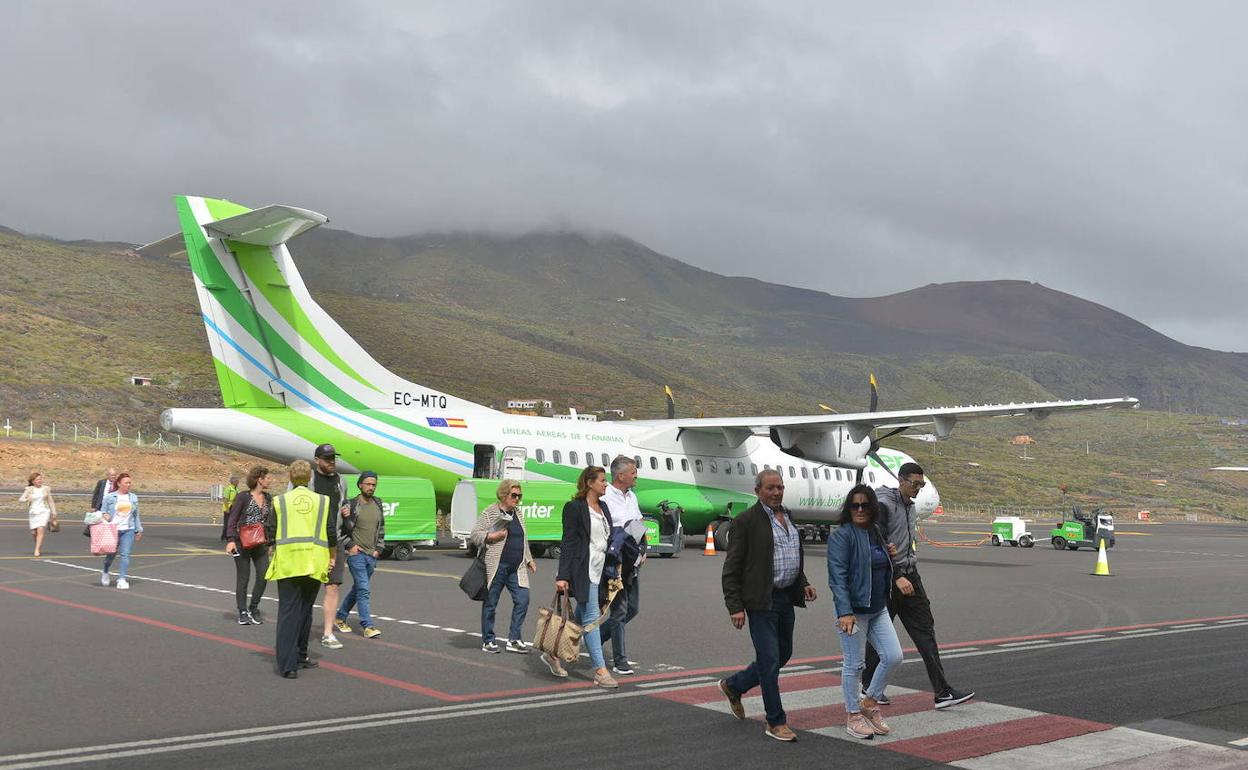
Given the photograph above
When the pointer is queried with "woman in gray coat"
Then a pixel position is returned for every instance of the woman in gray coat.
(508, 563)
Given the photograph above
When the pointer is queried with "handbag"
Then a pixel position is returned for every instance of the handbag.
(252, 535)
(558, 635)
(54, 525)
(473, 581)
(104, 538)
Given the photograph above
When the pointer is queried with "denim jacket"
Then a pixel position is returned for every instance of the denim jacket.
(849, 567)
(109, 507)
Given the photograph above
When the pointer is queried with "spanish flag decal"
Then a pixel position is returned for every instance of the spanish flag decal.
(446, 422)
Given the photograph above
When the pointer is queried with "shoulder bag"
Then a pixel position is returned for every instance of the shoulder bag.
(558, 635)
(473, 581)
(252, 535)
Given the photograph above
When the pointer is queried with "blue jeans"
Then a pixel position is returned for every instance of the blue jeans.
(593, 641)
(506, 576)
(623, 609)
(877, 629)
(772, 634)
(125, 541)
(361, 565)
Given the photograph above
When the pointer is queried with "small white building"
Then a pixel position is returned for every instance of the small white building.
(529, 403)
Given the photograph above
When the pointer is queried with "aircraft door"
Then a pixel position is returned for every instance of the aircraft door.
(484, 462)
(513, 462)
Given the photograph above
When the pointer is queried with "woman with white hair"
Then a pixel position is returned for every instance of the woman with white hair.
(508, 564)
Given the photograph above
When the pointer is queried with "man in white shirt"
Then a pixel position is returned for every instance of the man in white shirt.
(624, 509)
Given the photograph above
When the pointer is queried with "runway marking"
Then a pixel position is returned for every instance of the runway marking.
(1017, 644)
(1102, 636)
(1146, 630)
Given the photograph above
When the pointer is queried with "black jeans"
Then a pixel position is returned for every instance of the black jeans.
(295, 598)
(625, 607)
(772, 634)
(916, 615)
(259, 556)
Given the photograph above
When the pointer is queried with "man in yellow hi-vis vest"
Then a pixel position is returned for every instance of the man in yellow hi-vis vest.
(300, 565)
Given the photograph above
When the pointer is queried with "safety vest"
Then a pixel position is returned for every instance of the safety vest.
(302, 544)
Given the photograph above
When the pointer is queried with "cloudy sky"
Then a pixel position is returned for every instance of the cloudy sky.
(1097, 148)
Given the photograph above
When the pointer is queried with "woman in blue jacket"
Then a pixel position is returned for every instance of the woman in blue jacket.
(121, 508)
(860, 574)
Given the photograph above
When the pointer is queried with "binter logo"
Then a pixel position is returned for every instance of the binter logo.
(535, 511)
(389, 509)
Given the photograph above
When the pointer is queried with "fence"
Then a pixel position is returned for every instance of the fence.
(114, 435)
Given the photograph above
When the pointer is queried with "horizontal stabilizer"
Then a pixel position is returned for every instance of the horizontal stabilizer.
(267, 226)
(165, 247)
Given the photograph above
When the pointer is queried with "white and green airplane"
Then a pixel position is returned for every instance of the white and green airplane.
(291, 379)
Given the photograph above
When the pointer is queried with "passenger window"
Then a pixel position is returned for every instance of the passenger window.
(766, 467)
(637, 460)
(589, 459)
(827, 475)
(654, 463)
(727, 468)
(541, 456)
(606, 460)
(555, 457)
(741, 468)
(571, 458)
(872, 475)
(697, 466)
(753, 469)
(670, 464)
(792, 473)
(838, 474)
(714, 466)
(684, 464)
(803, 471)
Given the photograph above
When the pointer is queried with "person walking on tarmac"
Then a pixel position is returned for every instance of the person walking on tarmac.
(228, 493)
(302, 559)
(764, 579)
(363, 537)
(508, 563)
(624, 509)
(908, 599)
(326, 481)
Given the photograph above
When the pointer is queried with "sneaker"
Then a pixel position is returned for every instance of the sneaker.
(734, 699)
(124, 585)
(341, 626)
(331, 642)
(624, 670)
(871, 713)
(104, 579)
(781, 732)
(244, 619)
(491, 647)
(256, 618)
(370, 632)
(858, 726)
(883, 700)
(517, 646)
(952, 697)
(555, 666)
(605, 681)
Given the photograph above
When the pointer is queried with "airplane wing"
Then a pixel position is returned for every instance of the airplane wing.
(942, 418)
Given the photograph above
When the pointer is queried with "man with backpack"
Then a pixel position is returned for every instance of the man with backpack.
(362, 537)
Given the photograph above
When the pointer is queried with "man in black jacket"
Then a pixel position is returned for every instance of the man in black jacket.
(102, 488)
(764, 579)
(326, 481)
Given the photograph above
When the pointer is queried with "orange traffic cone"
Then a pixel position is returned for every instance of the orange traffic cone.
(710, 541)
(1102, 562)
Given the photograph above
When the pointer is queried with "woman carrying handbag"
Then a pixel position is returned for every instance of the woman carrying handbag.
(250, 527)
(42, 511)
(121, 510)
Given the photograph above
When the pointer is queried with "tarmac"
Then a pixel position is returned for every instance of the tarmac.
(1141, 669)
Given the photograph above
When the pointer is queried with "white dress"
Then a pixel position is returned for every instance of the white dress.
(39, 510)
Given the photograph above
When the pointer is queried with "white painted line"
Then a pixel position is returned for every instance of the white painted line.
(1232, 620)
(430, 625)
(1028, 643)
(687, 680)
(1083, 637)
(798, 668)
(1139, 630)
(407, 622)
(1082, 752)
(1188, 625)
(475, 633)
(383, 617)
(453, 630)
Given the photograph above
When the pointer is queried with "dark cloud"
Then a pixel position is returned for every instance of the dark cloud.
(1095, 148)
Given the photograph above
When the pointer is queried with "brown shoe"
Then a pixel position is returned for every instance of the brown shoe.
(872, 714)
(554, 665)
(734, 699)
(781, 733)
(605, 680)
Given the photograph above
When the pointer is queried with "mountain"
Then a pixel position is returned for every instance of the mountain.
(596, 321)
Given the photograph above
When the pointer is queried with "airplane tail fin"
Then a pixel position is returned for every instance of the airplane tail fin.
(272, 344)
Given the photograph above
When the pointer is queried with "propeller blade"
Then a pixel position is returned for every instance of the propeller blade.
(827, 408)
(880, 462)
(671, 403)
(875, 395)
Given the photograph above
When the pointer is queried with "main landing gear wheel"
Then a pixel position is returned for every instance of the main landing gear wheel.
(1059, 543)
(722, 530)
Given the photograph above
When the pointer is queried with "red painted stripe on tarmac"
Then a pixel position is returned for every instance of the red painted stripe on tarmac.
(989, 739)
(711, 693)
(355, 672)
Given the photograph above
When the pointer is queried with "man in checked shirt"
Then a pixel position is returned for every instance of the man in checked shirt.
(763, 581)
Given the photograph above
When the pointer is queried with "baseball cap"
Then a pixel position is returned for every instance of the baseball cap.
(325, 450)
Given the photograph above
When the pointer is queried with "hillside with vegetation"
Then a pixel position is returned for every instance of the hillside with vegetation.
(602, 322)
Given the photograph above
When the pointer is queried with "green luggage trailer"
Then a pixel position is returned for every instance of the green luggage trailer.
(411, 515)
(543, 515)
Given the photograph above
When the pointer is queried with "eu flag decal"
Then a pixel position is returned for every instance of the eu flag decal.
(446, 422)
(436, 422)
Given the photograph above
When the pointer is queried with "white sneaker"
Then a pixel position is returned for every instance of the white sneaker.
(104, 578)
(123, 584)
(331, 642)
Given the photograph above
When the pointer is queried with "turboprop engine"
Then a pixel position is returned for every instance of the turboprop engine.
(840, 446)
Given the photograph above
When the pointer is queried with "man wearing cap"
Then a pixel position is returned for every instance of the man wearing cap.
(326, 481)
(363, 537)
